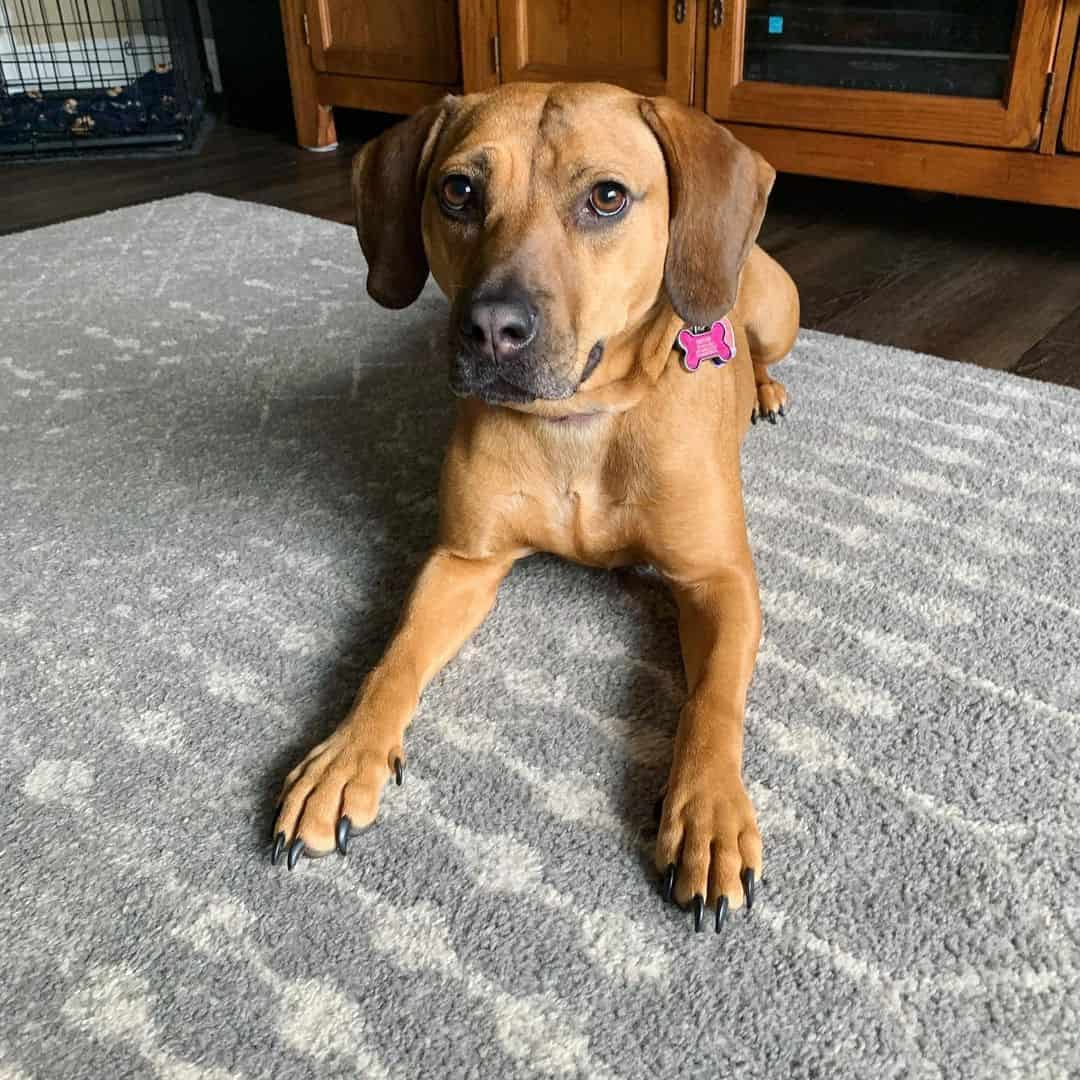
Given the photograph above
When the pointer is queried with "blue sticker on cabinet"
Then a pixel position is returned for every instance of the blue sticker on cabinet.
(776, 24)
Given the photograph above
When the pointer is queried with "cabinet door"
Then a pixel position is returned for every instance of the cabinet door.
(1070, 124)
(645, 45)
(973, 71)
(410, 40)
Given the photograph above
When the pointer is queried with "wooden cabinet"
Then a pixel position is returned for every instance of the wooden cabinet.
(646, 45)
(413, 40)
(1070, 127)
(974, 99)
(987, 83)
(367, 54)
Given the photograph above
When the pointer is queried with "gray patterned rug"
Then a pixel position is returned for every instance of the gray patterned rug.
(218, 462)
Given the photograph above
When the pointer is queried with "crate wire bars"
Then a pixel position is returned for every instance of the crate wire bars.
(92, 74)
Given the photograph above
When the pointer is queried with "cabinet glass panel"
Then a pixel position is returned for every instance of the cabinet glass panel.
(919, 46)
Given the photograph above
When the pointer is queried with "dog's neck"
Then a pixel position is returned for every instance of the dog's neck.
(635, 359)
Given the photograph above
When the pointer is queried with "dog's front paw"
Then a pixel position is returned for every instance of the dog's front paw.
(334, 791)
(708, 849)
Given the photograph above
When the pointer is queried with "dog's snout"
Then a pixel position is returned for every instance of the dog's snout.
(499, 327)
(505, 347)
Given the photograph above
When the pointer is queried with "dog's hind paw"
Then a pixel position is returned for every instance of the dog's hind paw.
(333, 793)
(773, 415)
(772, 402)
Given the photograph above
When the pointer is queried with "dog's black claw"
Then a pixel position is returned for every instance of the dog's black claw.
(772, 416)
(748, 888)
(343, 827)
(279, 847)
(296, 849)
(781, 411)
(753, 417)
(669, 882)
(699, 912)
(721, 912)
(398, 771)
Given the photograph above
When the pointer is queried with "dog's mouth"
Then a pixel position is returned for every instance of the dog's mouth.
(518, 382)
(596, 354)
(577, 419)
(494, 390)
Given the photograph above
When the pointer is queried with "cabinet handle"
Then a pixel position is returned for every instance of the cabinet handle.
(680, 10)
(717, 13)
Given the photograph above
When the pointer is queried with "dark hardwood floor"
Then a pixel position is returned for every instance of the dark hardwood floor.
(989, 283)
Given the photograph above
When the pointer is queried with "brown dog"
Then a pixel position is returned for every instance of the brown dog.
(576, 229)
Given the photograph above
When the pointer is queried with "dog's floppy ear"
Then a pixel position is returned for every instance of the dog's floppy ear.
(388, 179)
(718, 189)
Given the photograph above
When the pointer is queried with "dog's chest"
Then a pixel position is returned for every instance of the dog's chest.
(587, 520)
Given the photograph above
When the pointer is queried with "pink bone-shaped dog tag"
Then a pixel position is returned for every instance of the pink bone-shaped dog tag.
(717, 344)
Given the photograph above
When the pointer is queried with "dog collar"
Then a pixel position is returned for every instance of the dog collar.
(715, 343)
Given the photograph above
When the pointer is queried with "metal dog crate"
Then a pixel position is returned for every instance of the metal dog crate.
(94, 74)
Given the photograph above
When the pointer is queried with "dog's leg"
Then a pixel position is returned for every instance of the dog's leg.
(768, 305)
(342, 778)
(708, 845)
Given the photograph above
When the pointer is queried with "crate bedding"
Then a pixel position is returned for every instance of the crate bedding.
(147, 106)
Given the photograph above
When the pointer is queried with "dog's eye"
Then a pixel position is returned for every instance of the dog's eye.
(608, 198)
(456, 192)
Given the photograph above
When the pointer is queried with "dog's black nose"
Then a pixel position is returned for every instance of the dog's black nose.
(499, 327)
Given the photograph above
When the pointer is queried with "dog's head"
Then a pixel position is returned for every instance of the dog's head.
(556, 219)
